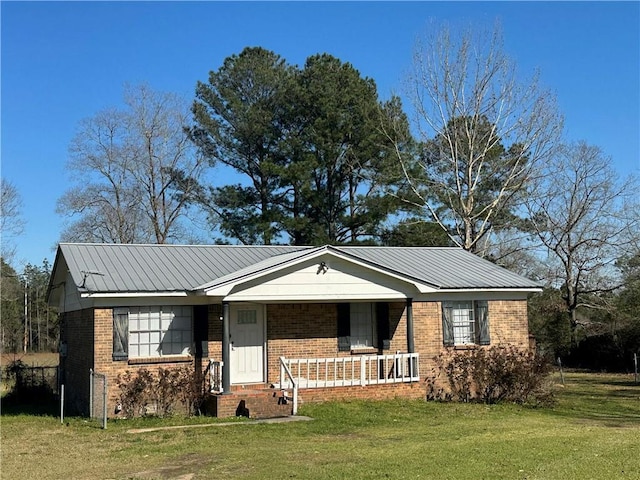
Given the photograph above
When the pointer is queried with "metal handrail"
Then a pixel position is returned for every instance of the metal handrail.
(284, 369)
(215, 376)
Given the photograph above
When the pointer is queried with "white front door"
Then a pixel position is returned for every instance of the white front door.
(247, 344)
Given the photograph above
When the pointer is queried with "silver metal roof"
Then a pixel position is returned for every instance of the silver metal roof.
(118, 268)
(443, 267)
(157, 268)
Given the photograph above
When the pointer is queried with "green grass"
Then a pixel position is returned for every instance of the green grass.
(592, 433)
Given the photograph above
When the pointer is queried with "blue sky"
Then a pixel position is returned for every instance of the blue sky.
(65, 61)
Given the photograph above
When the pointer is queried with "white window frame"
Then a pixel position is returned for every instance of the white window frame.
(464, 322)
(159, 331)
(363, 326)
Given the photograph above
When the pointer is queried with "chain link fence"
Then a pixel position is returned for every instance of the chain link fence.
(98, 397)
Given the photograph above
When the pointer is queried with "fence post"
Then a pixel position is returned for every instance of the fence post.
(104, 403)
(635, 367)
(62, 403)
(561, 372)
(90, 392)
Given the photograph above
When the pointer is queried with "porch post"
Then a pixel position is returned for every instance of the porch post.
(226, 349)
(411, 348)
(410, 344)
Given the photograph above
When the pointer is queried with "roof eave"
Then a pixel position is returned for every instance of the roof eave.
(136, 294)
(491, 289)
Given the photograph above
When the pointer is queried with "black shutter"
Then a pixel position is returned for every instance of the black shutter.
(120, 335)
(382, 320)
(344, 327)
(447, 324)
(482, 321)
(201, 330)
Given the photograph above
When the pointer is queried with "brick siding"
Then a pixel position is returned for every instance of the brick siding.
(293, 331)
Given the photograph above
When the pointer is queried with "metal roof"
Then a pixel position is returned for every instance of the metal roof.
(444, 267)
(121, 268)
(157, 268)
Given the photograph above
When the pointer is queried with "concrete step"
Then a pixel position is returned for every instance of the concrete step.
(249, 402)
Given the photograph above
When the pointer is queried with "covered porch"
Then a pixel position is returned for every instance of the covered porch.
(320, 323)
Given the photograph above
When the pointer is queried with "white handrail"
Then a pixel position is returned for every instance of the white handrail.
(215, 376)
(284, 369)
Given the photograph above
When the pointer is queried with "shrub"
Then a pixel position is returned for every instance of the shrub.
(490, 375)
(135, 392)
(147, 393)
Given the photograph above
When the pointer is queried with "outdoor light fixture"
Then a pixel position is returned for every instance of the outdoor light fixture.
(322, 268)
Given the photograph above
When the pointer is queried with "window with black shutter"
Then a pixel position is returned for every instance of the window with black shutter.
(465, 323)
(363, 326)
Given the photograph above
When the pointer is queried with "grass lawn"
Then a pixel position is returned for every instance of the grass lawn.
(592, 433)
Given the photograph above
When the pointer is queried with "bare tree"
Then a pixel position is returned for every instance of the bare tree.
(483, 133)
(123, 162)
(11, 221)
(582, 213)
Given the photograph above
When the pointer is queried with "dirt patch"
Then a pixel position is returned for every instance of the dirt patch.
(182, 468)
(297, 418)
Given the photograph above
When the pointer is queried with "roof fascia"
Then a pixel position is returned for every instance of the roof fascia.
(134, 294)
(59, 260)
(492, 289)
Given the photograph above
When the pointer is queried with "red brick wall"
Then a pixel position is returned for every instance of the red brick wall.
(372, 392)
(300, 331)
(105, 364)
(508, 322)
(310, 330)
(293, 331)
(507, 325)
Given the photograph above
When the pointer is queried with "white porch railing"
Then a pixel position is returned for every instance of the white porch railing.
(285, 371)
(215, 376)
(349, 371)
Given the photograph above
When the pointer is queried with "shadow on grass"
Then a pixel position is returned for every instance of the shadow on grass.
(37, 400)
(44, 406)
(605, 399)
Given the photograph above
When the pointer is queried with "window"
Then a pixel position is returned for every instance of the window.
(151, 332)
(247, 317)
(465, 323)
(363, 326)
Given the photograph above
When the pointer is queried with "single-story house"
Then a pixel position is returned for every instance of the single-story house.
(302, 323)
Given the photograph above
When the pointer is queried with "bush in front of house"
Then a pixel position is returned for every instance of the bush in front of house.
(159, 393)
(491, 375)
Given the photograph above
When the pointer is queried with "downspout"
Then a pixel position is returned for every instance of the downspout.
(226, 349)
